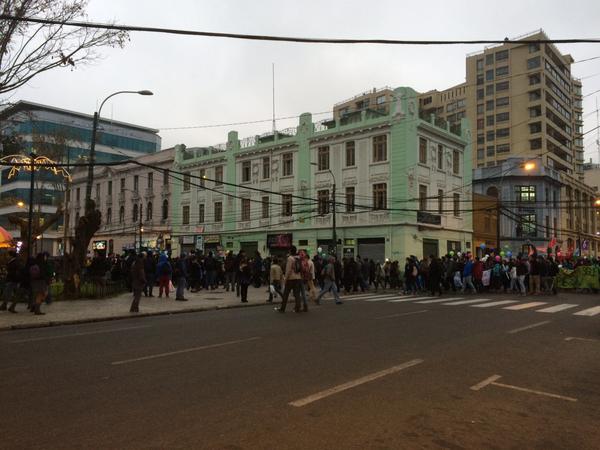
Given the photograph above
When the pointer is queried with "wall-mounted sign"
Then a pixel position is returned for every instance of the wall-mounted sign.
(279, 240)
(212, 239)
(186, 240)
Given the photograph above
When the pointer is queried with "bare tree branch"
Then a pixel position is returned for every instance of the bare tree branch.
(27, 50)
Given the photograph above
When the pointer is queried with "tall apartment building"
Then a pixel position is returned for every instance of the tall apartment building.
(133, 200)
(522, 102)
(401, 183)
(64, 136)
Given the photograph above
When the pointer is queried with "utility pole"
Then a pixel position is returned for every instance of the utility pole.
(334, 237)
(141, 228)
(92, 160)
(30, 213)
(498, 223)
(273, 74)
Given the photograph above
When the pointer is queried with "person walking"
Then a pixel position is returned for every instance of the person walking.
(534, 275)
(150, 272)
(521, 274)
(229, 266)
(468, 276)
(164, 271)
(435, 275)
(138, 282)
(293, 278)
(276, 277)
(245, 279)
(181, 276)
(13, 278)
(329, 283)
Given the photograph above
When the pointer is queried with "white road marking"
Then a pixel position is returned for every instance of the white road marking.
(347, 297)
(403, 314)
(440, 300)
(581, 339)
(531, 391)
(186, 350)
(492, 381)
(349, 385)
(411, 299)
(489, 305)
(588, 312)
(485, 382)
(381, 299)
(557, 308)
(468, 302)
(539, 324)
(85, 333)
(525, 306)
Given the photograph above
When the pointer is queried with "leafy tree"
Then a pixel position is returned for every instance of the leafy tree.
(29, 49)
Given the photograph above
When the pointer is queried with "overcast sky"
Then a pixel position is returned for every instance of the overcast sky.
(205, 81)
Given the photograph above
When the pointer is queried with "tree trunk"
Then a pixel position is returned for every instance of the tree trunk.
(87, 226)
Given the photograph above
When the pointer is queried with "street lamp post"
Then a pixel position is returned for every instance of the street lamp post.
(333, 249)
(90, 177)
(528, 166)
(30, 211)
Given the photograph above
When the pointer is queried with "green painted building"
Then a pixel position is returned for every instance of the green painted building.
(403, 187)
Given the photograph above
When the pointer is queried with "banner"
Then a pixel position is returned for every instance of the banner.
(583, 277)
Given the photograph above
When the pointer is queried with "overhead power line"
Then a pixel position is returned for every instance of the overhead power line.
(296, 39)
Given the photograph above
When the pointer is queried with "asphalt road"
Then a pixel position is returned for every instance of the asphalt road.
(362, 375)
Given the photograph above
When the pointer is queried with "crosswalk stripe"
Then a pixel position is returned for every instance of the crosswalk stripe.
(348, 297)
(410, 299)
(488, 305)
(588, 312)
(557, 308)
(440, 300)
(468, 302)
(525, 306)
(381, 299)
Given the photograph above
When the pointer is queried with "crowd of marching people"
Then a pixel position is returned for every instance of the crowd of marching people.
(308, 279)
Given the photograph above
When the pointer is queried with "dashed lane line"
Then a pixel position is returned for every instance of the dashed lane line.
(185, 350)
(528, 327)
(84, 333)
(410, 313)
(351, 384)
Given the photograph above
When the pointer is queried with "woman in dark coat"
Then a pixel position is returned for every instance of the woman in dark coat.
(435, 275)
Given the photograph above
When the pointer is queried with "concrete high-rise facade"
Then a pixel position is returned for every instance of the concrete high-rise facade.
(63, 136)
(523, 104)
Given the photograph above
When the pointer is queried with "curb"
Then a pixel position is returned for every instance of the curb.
(130, 316)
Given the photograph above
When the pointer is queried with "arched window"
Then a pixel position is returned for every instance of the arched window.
(122, 214)
(135, 213)
(165, 210)
(492, 191)
(109, 215)
(149, 212)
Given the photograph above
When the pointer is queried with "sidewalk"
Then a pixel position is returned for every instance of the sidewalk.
(82, 311)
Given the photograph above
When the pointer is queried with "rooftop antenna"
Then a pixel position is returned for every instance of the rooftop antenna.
(273, 77)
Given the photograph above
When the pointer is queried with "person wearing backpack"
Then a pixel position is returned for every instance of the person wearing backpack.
(293, 279)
